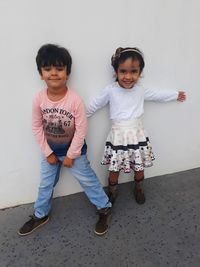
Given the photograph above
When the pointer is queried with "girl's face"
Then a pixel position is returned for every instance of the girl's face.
(128, 73)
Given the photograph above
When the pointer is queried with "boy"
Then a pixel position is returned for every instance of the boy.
(59, 124)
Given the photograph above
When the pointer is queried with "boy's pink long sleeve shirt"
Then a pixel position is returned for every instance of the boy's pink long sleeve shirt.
(61, 124)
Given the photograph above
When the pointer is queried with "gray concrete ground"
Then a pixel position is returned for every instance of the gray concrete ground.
(165, 231)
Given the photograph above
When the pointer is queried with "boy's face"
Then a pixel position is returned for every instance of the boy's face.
(54, 76)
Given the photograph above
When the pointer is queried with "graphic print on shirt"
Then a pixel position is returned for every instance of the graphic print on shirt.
(54, 127)
(58, 125)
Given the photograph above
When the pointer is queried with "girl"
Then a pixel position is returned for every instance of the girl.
(127, 146)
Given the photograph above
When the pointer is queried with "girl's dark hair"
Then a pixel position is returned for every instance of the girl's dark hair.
(53, 55)
(121, 54)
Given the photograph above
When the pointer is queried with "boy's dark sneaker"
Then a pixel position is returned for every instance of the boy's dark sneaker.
(139, 192)
(102, 225)
(112, 193)
(32, 224)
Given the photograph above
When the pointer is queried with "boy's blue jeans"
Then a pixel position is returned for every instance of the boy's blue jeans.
(82, 171)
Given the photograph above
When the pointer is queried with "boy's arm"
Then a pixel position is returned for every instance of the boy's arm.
(74, 150)
(97, 102)
(37, 127)
(161, 95)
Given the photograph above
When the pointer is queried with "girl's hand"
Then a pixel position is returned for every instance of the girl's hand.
(181, 96)
(52, 159)
(67, 162)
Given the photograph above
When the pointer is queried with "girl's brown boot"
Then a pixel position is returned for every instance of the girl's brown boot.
(112, 192)
(139, 191)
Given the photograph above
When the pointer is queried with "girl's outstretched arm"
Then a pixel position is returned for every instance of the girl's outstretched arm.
(98, 102)
(160, 95)
(164, 95)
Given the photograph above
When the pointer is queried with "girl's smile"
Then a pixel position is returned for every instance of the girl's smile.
(128, 73)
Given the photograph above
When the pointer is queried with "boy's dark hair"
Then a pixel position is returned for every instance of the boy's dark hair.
(53, 55)
(121, 54)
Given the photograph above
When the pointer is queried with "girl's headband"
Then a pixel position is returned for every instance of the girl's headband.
(131, 50)
(120, 50)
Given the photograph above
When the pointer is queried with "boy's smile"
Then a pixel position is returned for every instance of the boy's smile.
(128, 73)
(54, 76)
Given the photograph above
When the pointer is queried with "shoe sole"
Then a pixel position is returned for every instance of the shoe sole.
(99, 234)
(33, 229)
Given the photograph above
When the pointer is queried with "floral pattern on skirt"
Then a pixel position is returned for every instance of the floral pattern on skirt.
(128, 147)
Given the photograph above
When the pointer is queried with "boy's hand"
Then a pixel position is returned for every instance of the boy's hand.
(52, 159)
(67, 162)
(181, 96)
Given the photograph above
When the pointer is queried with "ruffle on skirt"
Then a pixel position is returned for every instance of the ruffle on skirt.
(128, 147)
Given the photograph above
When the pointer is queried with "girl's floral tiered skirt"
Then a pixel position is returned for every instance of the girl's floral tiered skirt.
(127, 147)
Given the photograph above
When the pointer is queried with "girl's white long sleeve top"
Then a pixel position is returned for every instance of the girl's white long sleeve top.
(125, 104)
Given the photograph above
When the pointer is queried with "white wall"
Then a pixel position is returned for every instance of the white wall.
(167, 31)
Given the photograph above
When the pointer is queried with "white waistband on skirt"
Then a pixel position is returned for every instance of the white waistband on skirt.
(134, 122)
